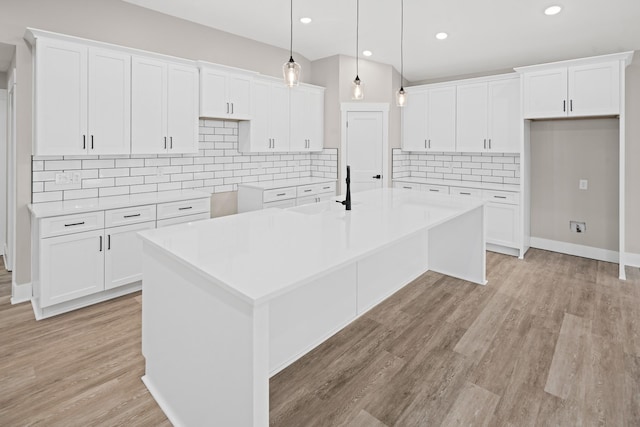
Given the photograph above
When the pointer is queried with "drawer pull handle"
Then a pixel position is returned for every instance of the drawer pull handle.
(408, 188)
(132, 216)
(185, 208)
(434, 190)
(500, 197)
(466, 194)
(306, 191)
(75, 223)
(326, 188)
(281, 194)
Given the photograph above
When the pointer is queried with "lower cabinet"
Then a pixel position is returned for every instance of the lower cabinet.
(123, 254)
(253, 197)
(502, 224)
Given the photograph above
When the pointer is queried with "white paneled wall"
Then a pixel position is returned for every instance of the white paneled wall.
(502, 168)
(218, 167)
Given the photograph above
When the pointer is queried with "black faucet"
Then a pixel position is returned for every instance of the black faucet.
(347, 201)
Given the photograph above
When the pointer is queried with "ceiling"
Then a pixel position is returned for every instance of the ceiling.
(484, 36)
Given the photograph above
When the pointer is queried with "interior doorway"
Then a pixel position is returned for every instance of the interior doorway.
(364, 145)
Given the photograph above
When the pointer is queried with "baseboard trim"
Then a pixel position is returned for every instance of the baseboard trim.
(503, 250)
(632, 260)
(577, 250)
(162, 403)
(20, 293)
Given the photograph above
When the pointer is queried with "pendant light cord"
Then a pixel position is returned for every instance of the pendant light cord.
(357, 36)
(291, 26)
(402, 44)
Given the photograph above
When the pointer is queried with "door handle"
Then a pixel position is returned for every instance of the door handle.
(227, 108)
(377, 176)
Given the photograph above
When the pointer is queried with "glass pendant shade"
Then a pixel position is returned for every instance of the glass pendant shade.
(357, 89)
(291, 71)
(401, 97)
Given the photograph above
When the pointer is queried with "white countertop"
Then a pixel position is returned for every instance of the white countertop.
(456, 183)
(261, 254)
(281, 183)
(48, 209)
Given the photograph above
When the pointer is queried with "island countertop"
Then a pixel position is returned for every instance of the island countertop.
(262, 254)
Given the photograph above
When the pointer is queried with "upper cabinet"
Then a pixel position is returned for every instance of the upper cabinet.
(578, 88)
(283, 119)
(429, 119)
(164, 107)
(225, 94)
(82, 99)
(488, 116)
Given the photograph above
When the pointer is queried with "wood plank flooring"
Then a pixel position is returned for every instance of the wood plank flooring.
(551, 340)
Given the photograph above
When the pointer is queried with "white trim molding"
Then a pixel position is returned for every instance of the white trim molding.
(347, 107)
(632, 260)
(577, 250)
(21, 293)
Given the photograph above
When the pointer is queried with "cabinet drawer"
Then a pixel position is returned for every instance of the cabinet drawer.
(462, 191)
(182, 219)
(327, 187)
(279, 194)
(307, 190)
(125, 216)
(68, 224)
(281, 204)
(509, 197)
(442, 189)
(185, 207)
(407, 185)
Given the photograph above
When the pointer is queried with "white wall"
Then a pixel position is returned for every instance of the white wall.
(3, 163)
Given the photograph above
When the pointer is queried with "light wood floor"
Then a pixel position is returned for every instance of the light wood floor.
(551, 340)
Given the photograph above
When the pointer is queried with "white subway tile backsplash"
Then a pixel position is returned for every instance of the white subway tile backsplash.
(97, 183)
(80, 194)
(133, 180)
(51, 196)
(97, 164)
(62, 164)
(113, 191)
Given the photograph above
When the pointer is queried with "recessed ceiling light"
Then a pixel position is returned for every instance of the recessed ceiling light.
(442, 36)
(367, 53)
(552, 10)
(305, 20)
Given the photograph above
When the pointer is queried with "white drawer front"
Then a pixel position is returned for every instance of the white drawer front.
(508, 197)
(279, 194)
(407, 185)
(125, 216)
(469, 192)
(183, 208)
(307, 190)
(182, 219)
(327, 187)
(281, 204)
(68, 224)
(442, 189)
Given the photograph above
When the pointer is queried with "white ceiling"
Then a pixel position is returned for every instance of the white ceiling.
(483, 35)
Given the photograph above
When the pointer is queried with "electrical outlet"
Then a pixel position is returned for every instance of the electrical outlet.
(76, 177)
(578, 227)
(63, 178)
(583, 184)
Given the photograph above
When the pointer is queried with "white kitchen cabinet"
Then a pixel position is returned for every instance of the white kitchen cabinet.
(269, 128)
(502, 224)
(284, 194)
(225, 94)
(307, 118)
(430, 124)
(581, 90)
(164, 107)
(123, 254)
(71, 266)
(488, 116)
(82, 99)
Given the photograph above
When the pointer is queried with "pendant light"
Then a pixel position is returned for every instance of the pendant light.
(291, 69)
(401, 95)
(358, 92)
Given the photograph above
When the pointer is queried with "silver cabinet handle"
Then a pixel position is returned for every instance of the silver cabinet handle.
(466, 194)
(280, 194)
(75, 223)
(306, 191)
(132, 216)
(165, 142)
(185, 208)
(232, 108)
(485, 144)
(84, 142)
(171, 142)
(92, 142)
(435, 191)
(425, 143)
(108, 242)
(564, 105)
(429, 144)
(489, 143)
(500, 197)
(100, 243)
(571, 105)
(227, 108)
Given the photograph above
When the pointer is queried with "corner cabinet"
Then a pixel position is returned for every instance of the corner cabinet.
(488, 116)
(225, 93)
(82, 98)
(164, 107)
(429, 119)
(578, 88)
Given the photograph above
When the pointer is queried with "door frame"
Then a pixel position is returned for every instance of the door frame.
(10, 238)
(4, 149)
(373, 107)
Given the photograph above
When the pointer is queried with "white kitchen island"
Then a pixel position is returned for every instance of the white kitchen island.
(228, 302)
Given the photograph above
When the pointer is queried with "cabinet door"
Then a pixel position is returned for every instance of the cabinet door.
(502, 224)
(441, 119)
(414, 116)
(545, 94)
(71, 266)
(254, 135)
(213, 94)
(60, 98)
(299, 119)
(182, 109)
(315, 120)
(109, 102)
(239, 90)
(123, 254)
(279, 117)
(471, 117)
(148, 106)
(594, 90)
(504, 116)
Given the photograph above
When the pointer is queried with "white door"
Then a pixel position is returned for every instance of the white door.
(213, 102)
(148, 106)
(364, 149)
(504, 116)
(545, 94)
(414, 116)
(239, 89)
(3, 161)
(279, 117)
(182, 109)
